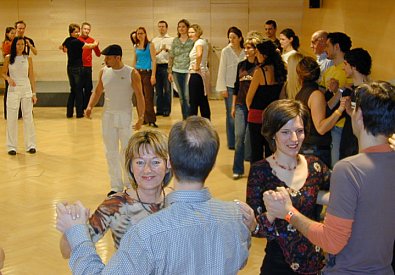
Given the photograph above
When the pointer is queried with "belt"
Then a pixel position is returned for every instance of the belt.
(162, 64)
(144, 70)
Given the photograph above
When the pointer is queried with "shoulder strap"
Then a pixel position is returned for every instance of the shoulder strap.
(264, 75)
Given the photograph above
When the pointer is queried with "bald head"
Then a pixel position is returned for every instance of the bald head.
(318, 41)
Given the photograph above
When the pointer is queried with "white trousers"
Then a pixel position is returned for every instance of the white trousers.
(14, 99)
(117, 130)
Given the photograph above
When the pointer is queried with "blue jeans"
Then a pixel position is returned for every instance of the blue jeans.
(230, 122)
(336, 134)
(242, 141)
(180, 80)
(162, 89)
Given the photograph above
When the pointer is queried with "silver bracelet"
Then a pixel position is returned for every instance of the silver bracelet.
(256, 229)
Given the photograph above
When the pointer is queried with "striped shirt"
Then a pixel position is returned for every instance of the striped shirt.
(194, 234)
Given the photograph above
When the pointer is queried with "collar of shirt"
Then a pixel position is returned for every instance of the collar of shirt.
(192, 196)
(322, 56)
(382, 148)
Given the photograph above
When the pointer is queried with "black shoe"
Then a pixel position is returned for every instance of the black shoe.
(32, 150)
(111, 193)
(145, 123)
(12, 152)
(153, 124)
(69, 116)
(80, 116)
(165, 114)
(159, 114)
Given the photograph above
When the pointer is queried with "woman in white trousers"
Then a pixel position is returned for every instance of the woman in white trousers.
(21, 90)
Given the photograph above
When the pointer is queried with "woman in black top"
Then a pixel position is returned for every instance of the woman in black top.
(319, 141)
(265, 88)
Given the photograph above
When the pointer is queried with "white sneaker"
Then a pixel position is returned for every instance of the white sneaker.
(237, 176)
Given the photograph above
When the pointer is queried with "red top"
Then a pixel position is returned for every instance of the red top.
(87, 53)
(6, 47)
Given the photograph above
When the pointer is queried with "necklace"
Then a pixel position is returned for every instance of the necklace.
(286, 167)
(142, 203)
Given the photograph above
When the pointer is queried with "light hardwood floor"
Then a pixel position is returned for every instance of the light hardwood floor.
(70, 165)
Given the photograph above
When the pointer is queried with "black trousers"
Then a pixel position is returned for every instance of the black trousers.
(259, 146)
(75, 96)
(274, 262)
(197, 99)
(87, 86)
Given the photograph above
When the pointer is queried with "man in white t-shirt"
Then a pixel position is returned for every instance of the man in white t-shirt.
(118, 82)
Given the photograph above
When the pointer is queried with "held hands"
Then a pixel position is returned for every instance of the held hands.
(70, 215)
(277, 203)
(333, 85)
(343, 103)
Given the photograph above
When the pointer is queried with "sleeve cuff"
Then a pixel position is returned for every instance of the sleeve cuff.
(77, 234)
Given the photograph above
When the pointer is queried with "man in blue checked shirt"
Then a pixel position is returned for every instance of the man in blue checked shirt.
(194, 234)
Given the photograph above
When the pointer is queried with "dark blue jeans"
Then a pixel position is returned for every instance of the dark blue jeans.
(180, 80)
(75, 96)
(230, 122)
(242, 145)
(87, 85)
(162, 88)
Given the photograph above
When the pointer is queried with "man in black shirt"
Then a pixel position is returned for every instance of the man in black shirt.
(20, 27)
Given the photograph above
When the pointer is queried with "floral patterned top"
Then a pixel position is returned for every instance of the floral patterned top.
(118, 213)
(300, 254)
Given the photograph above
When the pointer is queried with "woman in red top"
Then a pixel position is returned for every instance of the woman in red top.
(9, 36)
(6, 48)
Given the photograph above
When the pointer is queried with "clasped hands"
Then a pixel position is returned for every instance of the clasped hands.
(277, 203)
(69, 215)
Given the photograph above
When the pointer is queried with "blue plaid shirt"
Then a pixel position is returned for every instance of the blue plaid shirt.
(194, 234)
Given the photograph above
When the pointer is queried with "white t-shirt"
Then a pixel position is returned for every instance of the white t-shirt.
(192, 55)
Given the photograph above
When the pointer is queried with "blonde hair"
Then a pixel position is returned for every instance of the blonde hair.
(254, 38)
(197, 28)
(293, 84)
(139, 142)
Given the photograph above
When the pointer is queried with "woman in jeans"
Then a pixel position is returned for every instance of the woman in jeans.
(244, 73)
(145, 64)
(179, 64)
(231, 55)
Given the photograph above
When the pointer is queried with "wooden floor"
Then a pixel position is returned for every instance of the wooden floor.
(70, 165)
